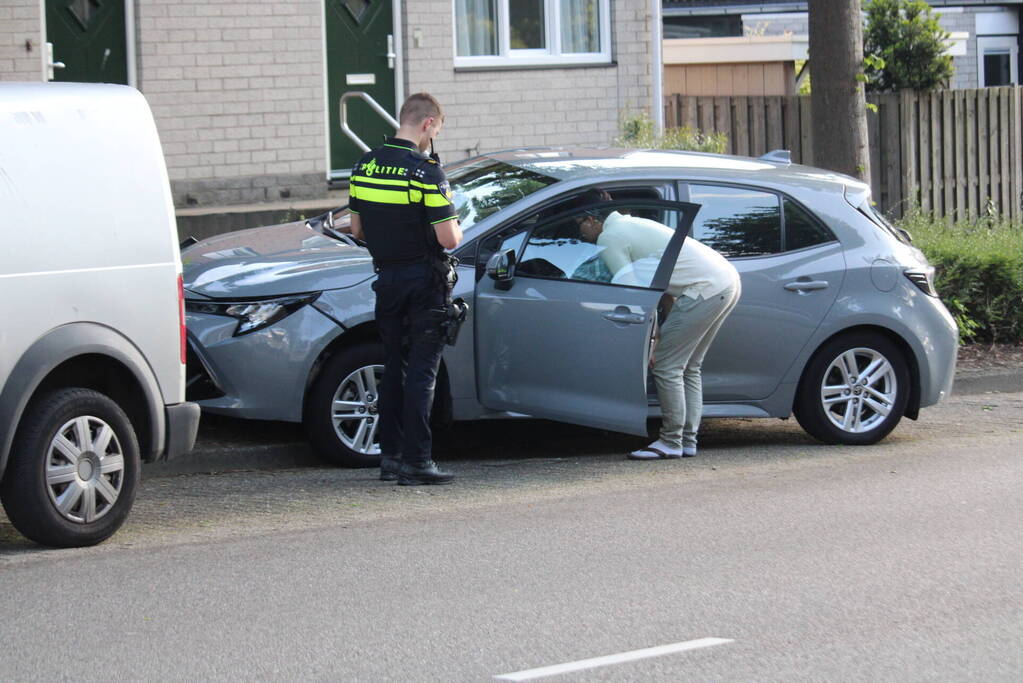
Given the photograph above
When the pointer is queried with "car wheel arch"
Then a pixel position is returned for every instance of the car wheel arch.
(913, 404)
(368, 332)
(78, 353)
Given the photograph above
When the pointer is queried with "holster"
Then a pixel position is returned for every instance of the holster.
(455, 314)
(445, 271)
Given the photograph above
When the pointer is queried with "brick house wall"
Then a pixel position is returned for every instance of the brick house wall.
(965, 75)
(20, 21)
(496, 109)
(237, 92)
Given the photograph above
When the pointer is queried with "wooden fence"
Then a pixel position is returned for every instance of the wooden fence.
(956, 153)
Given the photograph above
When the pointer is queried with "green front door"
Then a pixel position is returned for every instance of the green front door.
(88, 36)
(358, 33)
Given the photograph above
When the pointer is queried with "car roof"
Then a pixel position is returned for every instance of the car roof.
(566, 163)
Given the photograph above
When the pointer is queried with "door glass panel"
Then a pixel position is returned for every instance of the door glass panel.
(580, 26)
(357, 7)
(526, 24)
(621, 244)
(83, 10)
(801, 230)
(476, 22)
(737, 221)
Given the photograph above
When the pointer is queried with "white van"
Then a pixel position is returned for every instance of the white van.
(92, 331)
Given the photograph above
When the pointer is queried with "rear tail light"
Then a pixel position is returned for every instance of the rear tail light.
(181, 320)
(923, 278)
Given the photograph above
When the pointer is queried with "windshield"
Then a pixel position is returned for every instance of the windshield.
(478, 190)
(486, 186)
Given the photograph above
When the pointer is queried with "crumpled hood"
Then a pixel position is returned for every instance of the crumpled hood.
(272, 261)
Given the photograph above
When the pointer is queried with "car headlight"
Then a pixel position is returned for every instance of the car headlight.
(253, 315)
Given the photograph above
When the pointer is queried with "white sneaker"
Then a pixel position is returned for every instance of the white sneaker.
(658, 450)
(688, 451)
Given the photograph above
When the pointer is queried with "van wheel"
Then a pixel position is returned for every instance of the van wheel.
(74, 469)
(854, 390)
(341, 409)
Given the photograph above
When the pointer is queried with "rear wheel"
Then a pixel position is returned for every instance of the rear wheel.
(74, 469)
(854, 390)
(341, 410)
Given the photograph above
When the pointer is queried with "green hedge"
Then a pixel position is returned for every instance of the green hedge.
(978, 273)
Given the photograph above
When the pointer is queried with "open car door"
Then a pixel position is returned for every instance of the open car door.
(563, 325)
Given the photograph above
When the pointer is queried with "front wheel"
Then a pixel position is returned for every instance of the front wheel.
(74, 469)
(341, 408)
(854, 390)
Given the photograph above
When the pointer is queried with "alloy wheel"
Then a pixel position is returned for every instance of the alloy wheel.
(354, 410)
(859, 390)
(84, 469)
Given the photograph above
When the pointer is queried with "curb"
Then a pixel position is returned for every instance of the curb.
(1007, 381)
(206, 460)
(220, 455)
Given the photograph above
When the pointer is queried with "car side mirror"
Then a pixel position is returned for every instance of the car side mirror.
(501, 269)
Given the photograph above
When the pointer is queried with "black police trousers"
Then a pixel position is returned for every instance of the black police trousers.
(409, 313)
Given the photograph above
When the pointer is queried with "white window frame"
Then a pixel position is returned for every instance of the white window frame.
(549, 56)
(998, 45)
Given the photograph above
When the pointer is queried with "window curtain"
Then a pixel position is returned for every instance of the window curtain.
(476, 29)
(580, 26)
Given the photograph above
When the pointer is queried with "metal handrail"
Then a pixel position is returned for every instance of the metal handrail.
(351, 94)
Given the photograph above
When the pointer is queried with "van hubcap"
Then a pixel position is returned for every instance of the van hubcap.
(354, 410)
(84, 469)
(859, 390)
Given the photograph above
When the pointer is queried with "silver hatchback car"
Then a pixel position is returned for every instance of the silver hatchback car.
(838, 322)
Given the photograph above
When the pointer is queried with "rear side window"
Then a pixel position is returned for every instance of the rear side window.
(878, 219)
(737, 221)
(801, 230)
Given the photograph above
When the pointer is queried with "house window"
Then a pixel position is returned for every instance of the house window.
(503, 33)
(998, 59)
(526, 24)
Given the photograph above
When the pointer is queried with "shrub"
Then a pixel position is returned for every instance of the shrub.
(637, 130)
(904, 47)
(978, 273)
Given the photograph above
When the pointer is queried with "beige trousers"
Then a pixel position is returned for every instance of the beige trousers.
(686, 335)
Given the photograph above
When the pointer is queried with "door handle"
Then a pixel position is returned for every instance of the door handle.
(50, 64)
(391, 55)
(622, 316)
(806, 285)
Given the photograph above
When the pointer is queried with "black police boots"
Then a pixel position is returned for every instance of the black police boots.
(389, 468)
(420, 473)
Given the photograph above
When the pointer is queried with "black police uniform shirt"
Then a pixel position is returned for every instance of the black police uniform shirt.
(400, 194)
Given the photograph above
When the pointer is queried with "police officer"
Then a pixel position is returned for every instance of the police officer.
(401, 206)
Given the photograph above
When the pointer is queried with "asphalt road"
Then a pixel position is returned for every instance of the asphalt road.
(900, 561)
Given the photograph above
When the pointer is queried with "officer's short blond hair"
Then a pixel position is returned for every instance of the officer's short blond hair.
(418, 108)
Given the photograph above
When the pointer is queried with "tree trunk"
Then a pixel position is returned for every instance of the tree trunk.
(836, 95)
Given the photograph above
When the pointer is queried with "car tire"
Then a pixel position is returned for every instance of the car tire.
(854, 390)
(346, 436)
(62, 488)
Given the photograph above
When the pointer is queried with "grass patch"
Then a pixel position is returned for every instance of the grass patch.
(978, 273)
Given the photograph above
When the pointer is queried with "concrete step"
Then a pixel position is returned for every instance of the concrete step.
(207, 221)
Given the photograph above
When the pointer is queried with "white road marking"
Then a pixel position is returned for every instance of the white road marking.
(612, 659)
